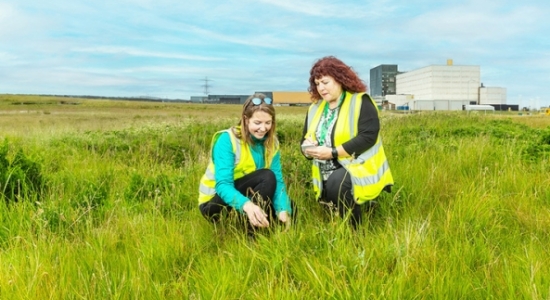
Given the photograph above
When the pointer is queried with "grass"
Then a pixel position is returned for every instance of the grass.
(117, 218)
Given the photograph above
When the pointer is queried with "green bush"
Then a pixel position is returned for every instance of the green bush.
(538, 147)
(20, 178)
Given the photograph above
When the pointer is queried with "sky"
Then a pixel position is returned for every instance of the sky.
(177, 49)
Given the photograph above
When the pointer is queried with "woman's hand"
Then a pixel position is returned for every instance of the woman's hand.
(285, 218)
(320, 152)
(256, 216)
(308, 144)
(309, 141)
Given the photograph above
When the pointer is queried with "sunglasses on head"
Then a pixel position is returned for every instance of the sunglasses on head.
(258, 101)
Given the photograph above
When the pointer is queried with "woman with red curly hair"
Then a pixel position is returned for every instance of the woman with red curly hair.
(341, 137)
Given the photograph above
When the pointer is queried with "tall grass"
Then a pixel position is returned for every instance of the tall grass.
(117, 216)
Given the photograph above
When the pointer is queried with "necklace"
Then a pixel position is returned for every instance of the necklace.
(328, 119)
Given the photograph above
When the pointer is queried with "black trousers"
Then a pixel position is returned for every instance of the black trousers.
(337, 191)
(259, 186)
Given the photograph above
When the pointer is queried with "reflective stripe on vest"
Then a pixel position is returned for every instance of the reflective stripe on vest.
(205, 186)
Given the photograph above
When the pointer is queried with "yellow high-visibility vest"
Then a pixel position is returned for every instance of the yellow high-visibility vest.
(369, 171)
(244, 164)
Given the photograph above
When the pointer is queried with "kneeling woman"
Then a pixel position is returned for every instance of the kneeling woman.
(245, 172)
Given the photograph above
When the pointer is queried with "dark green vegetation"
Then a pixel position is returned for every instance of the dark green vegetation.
(99, 202)
(20, 177)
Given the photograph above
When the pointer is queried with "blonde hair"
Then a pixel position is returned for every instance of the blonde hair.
(248, 111)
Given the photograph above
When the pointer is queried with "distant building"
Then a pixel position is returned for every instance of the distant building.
(291, 98)
(383, 80)
(220, 99)
(287, 97)
(441, 87)
(279, 98)
(441, 82)
(446, 87)
(492, 95)
(400, 100)
(198, 99)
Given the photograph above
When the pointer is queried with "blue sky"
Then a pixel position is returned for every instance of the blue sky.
(167, 48)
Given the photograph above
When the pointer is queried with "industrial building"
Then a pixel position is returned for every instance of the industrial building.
(441, 87)
(279, 98)
(291, 98)
(492, 95)
(382, 80)
(219, 99)
(441, 82)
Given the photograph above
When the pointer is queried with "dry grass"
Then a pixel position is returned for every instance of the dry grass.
(34, 115)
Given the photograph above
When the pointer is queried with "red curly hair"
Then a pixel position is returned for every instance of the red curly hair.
(337, 69)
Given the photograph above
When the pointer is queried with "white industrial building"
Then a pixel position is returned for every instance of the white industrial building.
(444, 87)
(492, 95)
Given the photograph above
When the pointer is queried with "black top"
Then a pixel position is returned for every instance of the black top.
(368, 129)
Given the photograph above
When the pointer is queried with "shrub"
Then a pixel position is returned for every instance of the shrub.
(20, 178)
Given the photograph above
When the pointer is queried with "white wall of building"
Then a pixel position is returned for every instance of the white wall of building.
(438, 104)
(435, 82)
(492, 95)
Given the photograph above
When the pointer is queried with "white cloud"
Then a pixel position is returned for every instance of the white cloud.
(7, 58)
(475, 22)
(333, 9)
(15, 24)
(129, 51)
(6, 11)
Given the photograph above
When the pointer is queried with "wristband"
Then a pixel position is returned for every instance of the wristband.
(334, 153)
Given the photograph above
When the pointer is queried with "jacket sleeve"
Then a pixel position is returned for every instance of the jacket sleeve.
(367, 128)
(224, 159)
(281, 201)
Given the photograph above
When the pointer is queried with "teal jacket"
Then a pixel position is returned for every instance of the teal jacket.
(224, 158)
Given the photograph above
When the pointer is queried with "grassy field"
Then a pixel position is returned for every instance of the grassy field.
(100, 203)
